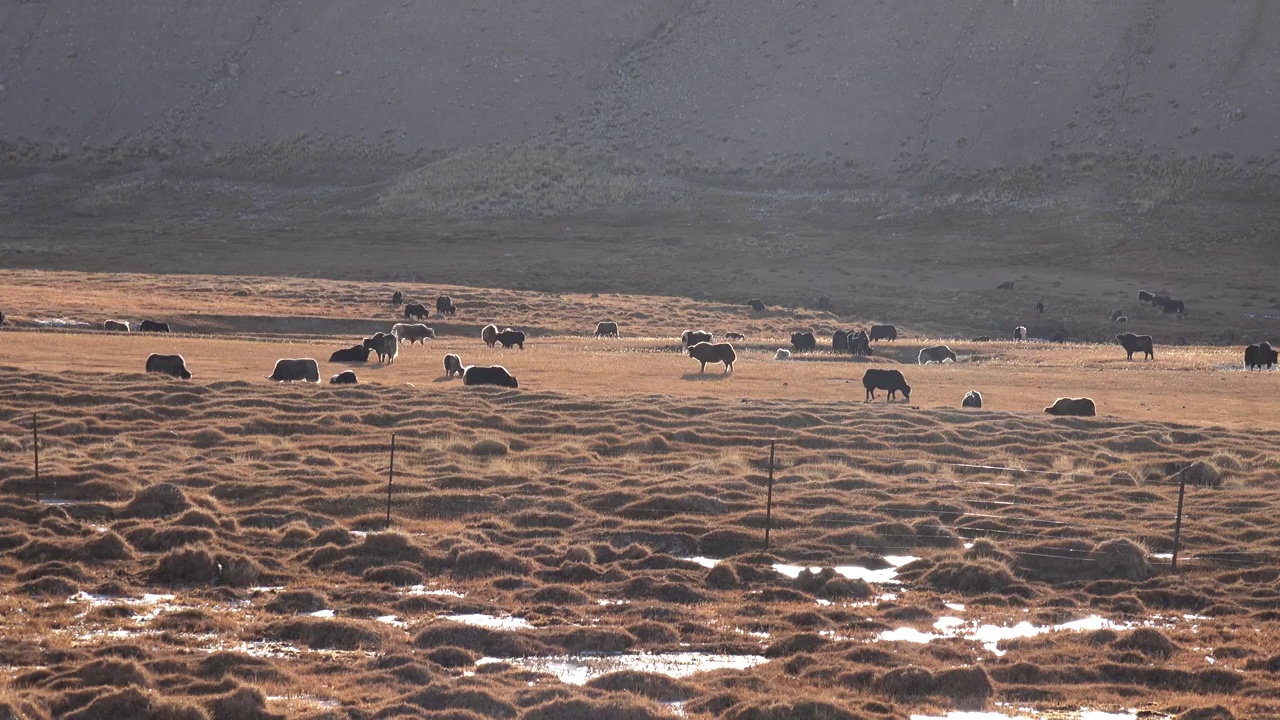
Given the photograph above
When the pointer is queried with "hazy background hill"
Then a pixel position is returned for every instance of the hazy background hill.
(1135, 138)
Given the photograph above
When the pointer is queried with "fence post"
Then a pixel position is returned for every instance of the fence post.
(1177, 523)
(391, 473)
(35, 447)
(768, 507)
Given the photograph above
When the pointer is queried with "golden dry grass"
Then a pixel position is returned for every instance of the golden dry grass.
(613, 461)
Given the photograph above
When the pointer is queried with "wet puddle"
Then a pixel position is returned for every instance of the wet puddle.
(992, 635)
(853, 572)
(579, 669)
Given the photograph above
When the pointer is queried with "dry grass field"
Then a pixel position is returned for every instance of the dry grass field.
(583, 546)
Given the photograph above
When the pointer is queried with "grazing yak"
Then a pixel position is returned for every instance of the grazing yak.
(1122, 320)
(1137, 343)
(891, 380)
(169, 365)
(693, 337)
(884, 332)
(385, 345)
(116, 326)
(782, 354)
(355, 354)
(1146, 297)
(489, 375)
(1040, 308)
(153, 326)
(452, 365)
(714, 353)
(346, 377)
(413, 332)
(1171, 306)
(1260, 356)
(489, 334)
(607, 328)
(937, 353)
(1006, 285)
(972, 399)
(756, 304)
(982, 338)
(291, 369)
(416, 311)
(445, 306)
(734, 336)
(397, 298)
(511, 338)
(840, 341)
(1079, 407)
(824, 303)
(1020, 333)
(860, 343)
(803, 341)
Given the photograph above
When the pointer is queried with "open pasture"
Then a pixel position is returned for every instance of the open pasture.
(582, 546)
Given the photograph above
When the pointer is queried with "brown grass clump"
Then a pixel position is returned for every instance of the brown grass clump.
(452, 657)
(654, 633)
(790, 710)
(650, 685)
(238, 665)
(1121, 559)
(442, 697)
(559, 595)
(489, 447)
(1215, 712)
(798, 643)
(970, 577)
(242, 704)
(187, 566)
(723, 577)
(906, 682)
(968, 687)
(297, 602)
(190, 620)
(593, 639)
(134, 704)
(326, 633)
(616, 707)
(483, 563)
(160, 500)
(399, 575)
(493, 643)
(1147, 641)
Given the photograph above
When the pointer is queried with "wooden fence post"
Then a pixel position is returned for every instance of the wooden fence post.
(768, 507)
(35, 448)
(1177, 523)
(391, 473)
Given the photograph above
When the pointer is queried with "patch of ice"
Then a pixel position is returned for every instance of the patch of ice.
(705, 562)
(321, 614)
(578, 669)
(992, 635)
(491, 621)
(424, 590)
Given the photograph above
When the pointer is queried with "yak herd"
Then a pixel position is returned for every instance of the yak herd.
(698, 344)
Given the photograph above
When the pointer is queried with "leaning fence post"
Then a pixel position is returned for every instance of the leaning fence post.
(768, 507)
(1177, 523)
(35, 448)
(391, 473)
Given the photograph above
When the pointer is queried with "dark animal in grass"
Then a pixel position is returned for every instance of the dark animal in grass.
(1159, 301)
(607, 328)
(982, 338)
(713, 353)
(891, 380)
(859, 343)
(972, 399)
(1122, 320)
(1260, 356)
(415, 311)
(824, 303)
(1006, 285)
(445, 306)
(397, 297)
(1040, 308)
(883, 332)
(387, 346)
(937, 353)
(803, 341)
(1173, 306)
(153, 326)
(355, 353)
(346, 377)
(693, 337)
(1019, 333)
(116, 326)
(2, 320)
(489, 375)
(1146, 297)
(169, 365)
(489, 334)
(840, 341)
(294, 369)
(1137, 343)
(1078, 407)
(756, 304)
(734, 336)
(511, 338)
(452, 365)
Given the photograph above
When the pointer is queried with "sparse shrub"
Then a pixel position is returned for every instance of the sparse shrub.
(489, 447)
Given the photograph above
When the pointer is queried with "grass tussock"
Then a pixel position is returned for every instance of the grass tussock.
(326, 633)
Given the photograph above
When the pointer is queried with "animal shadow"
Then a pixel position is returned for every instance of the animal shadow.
(706, 376)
